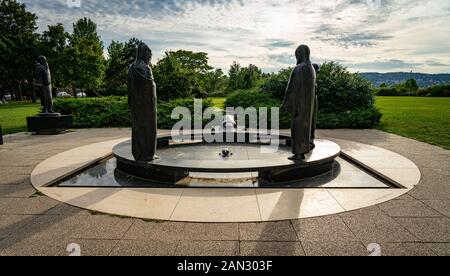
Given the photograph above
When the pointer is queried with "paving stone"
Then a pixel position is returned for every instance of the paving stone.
(440, 249)
(144, 248)
(406, 249)
(102, 227)
(428, 229)
(405, 197)
(22, 190)
(373, 225)
(338, 248)
(408, 208)
(158, 231)
(30, 247)
(26, 206)
(65, 209)
(207, 248)
(264, 249)
(428, 192)
(442, 206)
(48, 227)
(14, 178)
(268, 231)
(10, 224)
(211, 232)
(330, 228)
(87, 247)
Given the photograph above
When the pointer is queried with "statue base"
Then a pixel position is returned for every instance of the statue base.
(49, 115)
(49, 123)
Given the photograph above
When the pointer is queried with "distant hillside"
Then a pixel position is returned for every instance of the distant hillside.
(423, 80)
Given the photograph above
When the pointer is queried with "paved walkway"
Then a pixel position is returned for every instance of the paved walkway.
(32, 224)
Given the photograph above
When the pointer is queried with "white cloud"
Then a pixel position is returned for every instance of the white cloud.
(266, 32)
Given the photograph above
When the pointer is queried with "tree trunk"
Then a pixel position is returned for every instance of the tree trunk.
(74, 91)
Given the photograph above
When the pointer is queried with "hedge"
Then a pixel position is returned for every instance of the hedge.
(356, 118)
(435, 91)
(113, 111)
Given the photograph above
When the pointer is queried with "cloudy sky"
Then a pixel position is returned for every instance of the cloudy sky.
(365, 35)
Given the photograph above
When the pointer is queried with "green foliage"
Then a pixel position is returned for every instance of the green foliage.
(386, 91)
(181, 74)
(276, 83)
(243, 77)
(407, 88)
(356, 118)
(435, 91)
(96, 112)
(18, 47)
(250, 98)
(53, 45)
(165, 111)
(215, 82)
(340, 91)
(121, 55)
(85, 56)
(114, 112)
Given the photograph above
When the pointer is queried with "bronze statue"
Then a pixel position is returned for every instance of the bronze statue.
(316, 112)
(43, 82)
(143, 106)
(300, 101)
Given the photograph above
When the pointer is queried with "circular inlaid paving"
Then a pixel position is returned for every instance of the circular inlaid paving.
(220, 204)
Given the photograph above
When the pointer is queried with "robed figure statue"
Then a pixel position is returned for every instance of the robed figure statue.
(300, 103)
(142, 102)
(43, 83)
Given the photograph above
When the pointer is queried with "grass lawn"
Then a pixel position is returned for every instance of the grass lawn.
(423, 119)
(13, 116)
(219, 102)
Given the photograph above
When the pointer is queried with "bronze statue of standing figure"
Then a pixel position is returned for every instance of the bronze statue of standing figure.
(43, 83)
(300, 101)
(142, 102)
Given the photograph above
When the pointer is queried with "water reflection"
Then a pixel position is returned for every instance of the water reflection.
(344, 175)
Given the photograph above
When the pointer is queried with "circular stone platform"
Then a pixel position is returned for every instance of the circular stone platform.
(223, 205)
(177, 161)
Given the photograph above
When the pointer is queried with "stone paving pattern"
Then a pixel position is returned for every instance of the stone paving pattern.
(32, 224)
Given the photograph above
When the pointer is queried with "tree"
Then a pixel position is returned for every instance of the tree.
(181, 74)
(18, 46)
(121, 55)
(85, 56)
(215, 81)
(53, 45)
(409, 88)
(243, 77)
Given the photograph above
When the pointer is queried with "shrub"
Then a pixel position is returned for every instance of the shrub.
(165, 111)
(96, 112)
(276, 83)
(387, 92)
(114, 112)
(356, 118)
(435, 91)
(340, 91)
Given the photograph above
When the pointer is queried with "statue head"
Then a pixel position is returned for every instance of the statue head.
(144, 53)
(316, 67)
(42, 60)
(302, 54)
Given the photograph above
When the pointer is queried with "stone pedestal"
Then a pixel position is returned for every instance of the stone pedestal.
(47, 124)
(1, 136)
